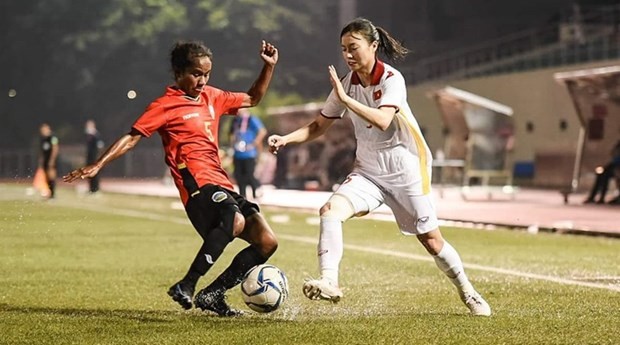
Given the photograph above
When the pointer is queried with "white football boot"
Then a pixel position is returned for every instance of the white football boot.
(476, 304)
(322, 288)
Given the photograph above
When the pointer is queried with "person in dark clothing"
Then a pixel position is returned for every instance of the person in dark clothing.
(93, 145)
(48, 157)
(603, 176)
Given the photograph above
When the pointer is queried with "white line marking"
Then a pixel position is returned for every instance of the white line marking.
(313, 241)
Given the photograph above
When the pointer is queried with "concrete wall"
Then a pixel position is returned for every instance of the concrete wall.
(536, 98)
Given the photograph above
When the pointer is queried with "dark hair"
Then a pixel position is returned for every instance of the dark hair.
(388, 45)
(183, 53)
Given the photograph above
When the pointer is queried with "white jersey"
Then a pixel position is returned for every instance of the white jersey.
(377, 149)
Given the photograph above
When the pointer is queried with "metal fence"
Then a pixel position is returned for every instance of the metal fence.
(17, 163)
(142, 162)
(591, 37)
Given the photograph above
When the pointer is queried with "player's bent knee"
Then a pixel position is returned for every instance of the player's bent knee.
(259, 233)
(432, 242)
(337, 207)
(268, 244)
(325, 208)
(238, 224)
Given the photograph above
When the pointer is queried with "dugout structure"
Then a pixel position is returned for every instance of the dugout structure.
(595, 94)
(480, 133)
(318, 165)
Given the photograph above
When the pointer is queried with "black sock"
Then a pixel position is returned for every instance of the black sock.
(211, 249)
(52, 186)
(243, 261)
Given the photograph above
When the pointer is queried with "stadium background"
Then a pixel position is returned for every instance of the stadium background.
(65, 62)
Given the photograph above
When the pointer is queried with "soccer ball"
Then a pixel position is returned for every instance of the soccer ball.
(264, 288)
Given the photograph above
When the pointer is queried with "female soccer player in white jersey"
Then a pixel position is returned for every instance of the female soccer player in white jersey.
(393, 162)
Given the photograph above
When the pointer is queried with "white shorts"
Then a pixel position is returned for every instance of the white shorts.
(414, 214)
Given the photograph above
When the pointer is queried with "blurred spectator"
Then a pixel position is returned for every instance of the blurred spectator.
(603, 175)
(93, 145)
(246, 136)
(48, 157)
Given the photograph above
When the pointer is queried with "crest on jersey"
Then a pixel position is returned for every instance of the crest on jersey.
(389, 74)
(376, 95)
(219, 196)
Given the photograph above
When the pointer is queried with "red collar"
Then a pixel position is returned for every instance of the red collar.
(377, 73)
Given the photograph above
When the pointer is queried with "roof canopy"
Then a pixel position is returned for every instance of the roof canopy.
(603, 82)
(468, 97)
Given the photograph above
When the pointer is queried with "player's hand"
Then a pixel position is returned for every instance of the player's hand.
(336, 84)
(82, 173)
(275, 143)
(269, 53)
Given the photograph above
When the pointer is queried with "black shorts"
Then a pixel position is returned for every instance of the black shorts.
(205, 208)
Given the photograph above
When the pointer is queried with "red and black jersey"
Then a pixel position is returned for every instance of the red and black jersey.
(188, 128)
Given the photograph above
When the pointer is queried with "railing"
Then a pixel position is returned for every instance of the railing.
(141, 162)
(600, 48)
(591, 37)
(17, 163)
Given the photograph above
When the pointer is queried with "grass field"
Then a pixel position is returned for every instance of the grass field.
(96, 271)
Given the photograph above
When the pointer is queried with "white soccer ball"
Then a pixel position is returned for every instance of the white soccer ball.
(264, 288)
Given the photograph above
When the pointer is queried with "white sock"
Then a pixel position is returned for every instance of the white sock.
(330, 248)
(449, 262)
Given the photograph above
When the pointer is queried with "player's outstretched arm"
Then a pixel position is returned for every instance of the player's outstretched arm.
(269, 54)
(309, 132)
(117, 149)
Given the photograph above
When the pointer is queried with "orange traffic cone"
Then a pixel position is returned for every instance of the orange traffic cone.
(40, 183)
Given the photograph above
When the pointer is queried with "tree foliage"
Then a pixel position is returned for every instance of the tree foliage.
(81, 57)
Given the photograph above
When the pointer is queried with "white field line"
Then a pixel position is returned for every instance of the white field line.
(365, 249)
(428, 258)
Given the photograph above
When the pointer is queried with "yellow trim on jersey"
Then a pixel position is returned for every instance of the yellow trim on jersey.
(419, 143)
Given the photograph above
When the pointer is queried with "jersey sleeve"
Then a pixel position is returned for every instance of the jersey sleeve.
(333, 108)
(153, 118)
(227, 102)
(394, 91)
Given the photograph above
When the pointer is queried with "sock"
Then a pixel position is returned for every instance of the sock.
(211, 249)
(52, 187)
(243, 261)
(449, 262)
(330, 248)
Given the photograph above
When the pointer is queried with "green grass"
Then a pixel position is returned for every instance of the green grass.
(96, 271)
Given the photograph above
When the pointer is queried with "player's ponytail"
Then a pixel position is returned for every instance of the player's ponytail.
(387, 44)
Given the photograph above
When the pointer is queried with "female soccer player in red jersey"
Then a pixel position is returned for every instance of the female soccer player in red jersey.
(393, 162)
(187, 118)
